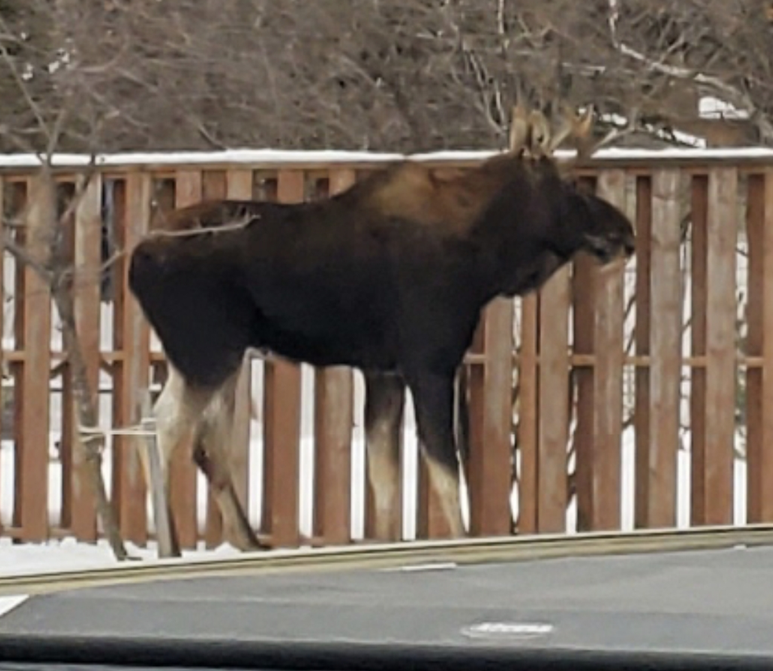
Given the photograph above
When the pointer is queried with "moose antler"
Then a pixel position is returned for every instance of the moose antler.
(540, 135)
(529, 132)
(519, 129)
(572, 124)
(587, 145)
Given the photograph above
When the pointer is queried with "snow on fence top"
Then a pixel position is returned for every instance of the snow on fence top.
(326, 157)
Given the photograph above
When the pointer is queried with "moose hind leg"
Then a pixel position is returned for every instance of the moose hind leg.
(210, 452)
(433, 397)
(384, 403)
(177, 412)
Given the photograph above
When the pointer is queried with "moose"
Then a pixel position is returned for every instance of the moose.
(388, 277)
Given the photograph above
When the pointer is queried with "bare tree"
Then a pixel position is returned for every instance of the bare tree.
(396, 75)
(38, 242)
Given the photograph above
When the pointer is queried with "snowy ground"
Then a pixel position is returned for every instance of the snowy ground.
(68, 554)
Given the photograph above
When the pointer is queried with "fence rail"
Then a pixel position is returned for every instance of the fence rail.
(604, 402)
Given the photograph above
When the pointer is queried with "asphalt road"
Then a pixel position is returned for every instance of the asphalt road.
(703, 601)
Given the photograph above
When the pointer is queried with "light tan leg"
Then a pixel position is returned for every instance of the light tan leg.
(384, 403)
(462, 417)
(445, 482)
(177, 411)
(433, 396)
(210, 453)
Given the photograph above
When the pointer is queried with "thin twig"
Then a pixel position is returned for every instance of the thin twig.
(224, 228)
(21, 253)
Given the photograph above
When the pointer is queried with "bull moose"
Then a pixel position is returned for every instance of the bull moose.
(388, 277)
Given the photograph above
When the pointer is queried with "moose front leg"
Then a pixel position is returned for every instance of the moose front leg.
(384, 403)
(433, 397)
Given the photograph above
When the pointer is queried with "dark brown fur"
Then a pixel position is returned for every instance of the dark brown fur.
(389, 277)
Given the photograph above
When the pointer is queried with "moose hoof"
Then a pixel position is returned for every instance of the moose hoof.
(247, 542)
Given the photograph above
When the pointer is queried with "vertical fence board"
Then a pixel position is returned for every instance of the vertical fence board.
(583, 287)
(239, 184)
(67, 444)
(720, 345)
(583, 338)
(333, 421)
(755, 453)
(214, 184)
(69, 451)
(665, 351)
(183, 481)
(3, 364)
(553, 395)
(33, 400)
(759, 381)
(608, 378)
(86, 299)
(490, 459)
(18, 212)
(698, 301)
(528, 413)
(642, 475)
(282, 421)
(132, 334)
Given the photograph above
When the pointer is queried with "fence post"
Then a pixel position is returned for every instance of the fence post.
(333, 421)
(713, 466)
(608, 376)
(132, 339)
(282, 422)
(759, 380)
(528, 415)
(553, 394)
(33, 393)
(491, 410)
(86, 299)
(656, 463)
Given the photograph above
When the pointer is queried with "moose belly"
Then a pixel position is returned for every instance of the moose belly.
(337, 338)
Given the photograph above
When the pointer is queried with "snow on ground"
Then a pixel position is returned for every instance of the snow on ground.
(60, 555)
(68, 554)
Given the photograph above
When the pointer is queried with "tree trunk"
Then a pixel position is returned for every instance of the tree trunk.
(86, 407)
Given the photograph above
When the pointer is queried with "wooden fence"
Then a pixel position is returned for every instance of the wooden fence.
(547, 374)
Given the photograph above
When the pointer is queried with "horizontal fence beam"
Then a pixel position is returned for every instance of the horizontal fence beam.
(575, 360)
(22, 165)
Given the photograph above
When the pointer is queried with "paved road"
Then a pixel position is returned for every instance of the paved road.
(715, 602)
